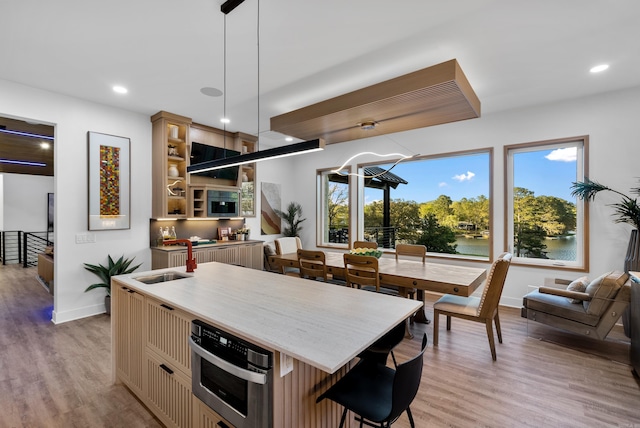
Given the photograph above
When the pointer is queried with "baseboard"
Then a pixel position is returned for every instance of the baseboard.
(58, 317)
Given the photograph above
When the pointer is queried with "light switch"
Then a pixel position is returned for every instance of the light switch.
(85, 238)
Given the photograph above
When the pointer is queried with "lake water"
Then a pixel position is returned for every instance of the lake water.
(557, 249)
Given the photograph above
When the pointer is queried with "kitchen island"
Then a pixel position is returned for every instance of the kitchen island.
(322, 327)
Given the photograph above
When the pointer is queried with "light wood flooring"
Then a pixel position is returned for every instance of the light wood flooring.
(59, 376)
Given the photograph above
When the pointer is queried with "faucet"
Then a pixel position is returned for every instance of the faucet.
(191, 261)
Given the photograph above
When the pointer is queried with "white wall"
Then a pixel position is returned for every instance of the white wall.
(25, 201)
(610, 120)
(72, 119)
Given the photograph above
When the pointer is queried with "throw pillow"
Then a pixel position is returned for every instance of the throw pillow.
(579, 285)
(602, 289)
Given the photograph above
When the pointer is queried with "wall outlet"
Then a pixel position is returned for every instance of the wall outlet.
(85, 238)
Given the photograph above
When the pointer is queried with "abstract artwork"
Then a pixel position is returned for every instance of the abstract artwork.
(109, 182)
(270, 202)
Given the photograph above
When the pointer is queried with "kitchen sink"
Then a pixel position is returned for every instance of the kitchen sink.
(161, 277)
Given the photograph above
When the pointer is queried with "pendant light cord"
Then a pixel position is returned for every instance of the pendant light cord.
(224, 88)
(258, 67)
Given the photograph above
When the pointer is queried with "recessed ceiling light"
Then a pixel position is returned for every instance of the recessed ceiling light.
(211, 92)
(120, 89)
(599, 68)
(288, 139)
(225, 120)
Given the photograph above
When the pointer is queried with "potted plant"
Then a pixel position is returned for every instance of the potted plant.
(293, 217)
(626, 211)
(120, 267)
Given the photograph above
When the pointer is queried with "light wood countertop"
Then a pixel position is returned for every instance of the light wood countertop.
(323, 325)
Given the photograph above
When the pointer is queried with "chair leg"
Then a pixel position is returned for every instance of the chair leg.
(436, 322)
(448, 322)
(413, 425)
(344, 416)
(497, 321)
(393, 357)
(492, 345)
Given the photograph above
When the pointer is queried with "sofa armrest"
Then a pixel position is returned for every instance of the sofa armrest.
(565, 293)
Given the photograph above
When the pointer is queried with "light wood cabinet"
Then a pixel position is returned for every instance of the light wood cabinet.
(168, 330)
(204, 417)
(170, 154)
(130, 349)
(248, 254)
(168, 392)
(248, 144)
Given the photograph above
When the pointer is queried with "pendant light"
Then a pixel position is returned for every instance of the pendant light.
(274, 153)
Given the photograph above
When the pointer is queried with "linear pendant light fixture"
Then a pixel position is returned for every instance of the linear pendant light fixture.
(245, 158)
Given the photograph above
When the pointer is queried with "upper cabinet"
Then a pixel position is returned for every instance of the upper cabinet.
(170, 157)
(248, 144)
(178, 143)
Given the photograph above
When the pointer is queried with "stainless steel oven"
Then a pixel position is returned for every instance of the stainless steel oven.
(232, 376)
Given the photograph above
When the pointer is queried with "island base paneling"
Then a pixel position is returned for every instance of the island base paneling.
(295, 397)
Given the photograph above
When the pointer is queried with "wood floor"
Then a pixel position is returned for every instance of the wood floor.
(59, 376)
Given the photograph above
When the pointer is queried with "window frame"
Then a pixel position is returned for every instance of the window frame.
(321, 198)
(440, 256)
(582, 208)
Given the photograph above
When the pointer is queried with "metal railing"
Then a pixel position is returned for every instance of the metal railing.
(384, 236)
(34, 243)
(11, 250)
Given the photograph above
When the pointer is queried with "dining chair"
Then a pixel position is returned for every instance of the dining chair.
(286, 245)
(413, 251)
(312, 264)
(365, 244)
(480, 309)
(361, 271)
(377, 393)
(383, 347)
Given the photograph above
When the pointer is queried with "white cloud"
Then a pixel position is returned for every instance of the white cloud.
(442, 184)
(464, 177)
(568, 154)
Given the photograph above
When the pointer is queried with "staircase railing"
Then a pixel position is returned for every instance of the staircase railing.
(10, 248)
(34, 243)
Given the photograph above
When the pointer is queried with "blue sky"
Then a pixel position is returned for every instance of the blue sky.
(468, 176)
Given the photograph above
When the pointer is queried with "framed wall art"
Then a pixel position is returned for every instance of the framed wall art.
(109, 182)
(270, 203)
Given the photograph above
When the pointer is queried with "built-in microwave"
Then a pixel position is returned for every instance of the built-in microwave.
(223, 203)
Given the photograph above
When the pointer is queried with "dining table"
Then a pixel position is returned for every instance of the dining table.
(406, 275)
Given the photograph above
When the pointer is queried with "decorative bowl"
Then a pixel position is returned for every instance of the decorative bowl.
(366, 252)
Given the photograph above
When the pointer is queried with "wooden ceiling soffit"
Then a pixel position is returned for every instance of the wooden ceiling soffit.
(431, 96)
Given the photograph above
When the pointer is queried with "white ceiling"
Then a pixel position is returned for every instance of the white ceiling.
(515, 53)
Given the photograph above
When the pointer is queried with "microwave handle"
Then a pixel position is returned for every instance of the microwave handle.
(247, 375)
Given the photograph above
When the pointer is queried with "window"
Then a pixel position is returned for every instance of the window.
(333, 208)
(545, 224)
(442, 202)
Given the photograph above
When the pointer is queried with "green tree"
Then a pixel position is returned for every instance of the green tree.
(437, 238)
(528, 233)
(337, 205)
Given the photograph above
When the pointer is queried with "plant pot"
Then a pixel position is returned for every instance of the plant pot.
(107, 304)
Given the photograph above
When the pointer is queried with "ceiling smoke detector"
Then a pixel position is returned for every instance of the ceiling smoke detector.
(367, 125)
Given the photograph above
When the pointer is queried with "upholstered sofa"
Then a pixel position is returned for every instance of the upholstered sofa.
(592, 312)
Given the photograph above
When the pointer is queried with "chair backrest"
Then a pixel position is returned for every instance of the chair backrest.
(361, 271)
(494, 285)
(287, 245)
(312, 264)
(406, 383)
(412, 250)
(365, 244)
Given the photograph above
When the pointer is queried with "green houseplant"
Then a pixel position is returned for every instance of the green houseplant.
(627, 210)
(119, 267)
(293, 217)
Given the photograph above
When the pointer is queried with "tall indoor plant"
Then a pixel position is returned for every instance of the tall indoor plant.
(293, 217)
(119, 267)
(626, 211)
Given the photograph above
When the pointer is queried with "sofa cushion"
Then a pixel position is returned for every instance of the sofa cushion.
(579, 285)
(602, 290)
(558, 306)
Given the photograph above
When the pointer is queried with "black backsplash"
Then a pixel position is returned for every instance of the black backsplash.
(205, 229)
